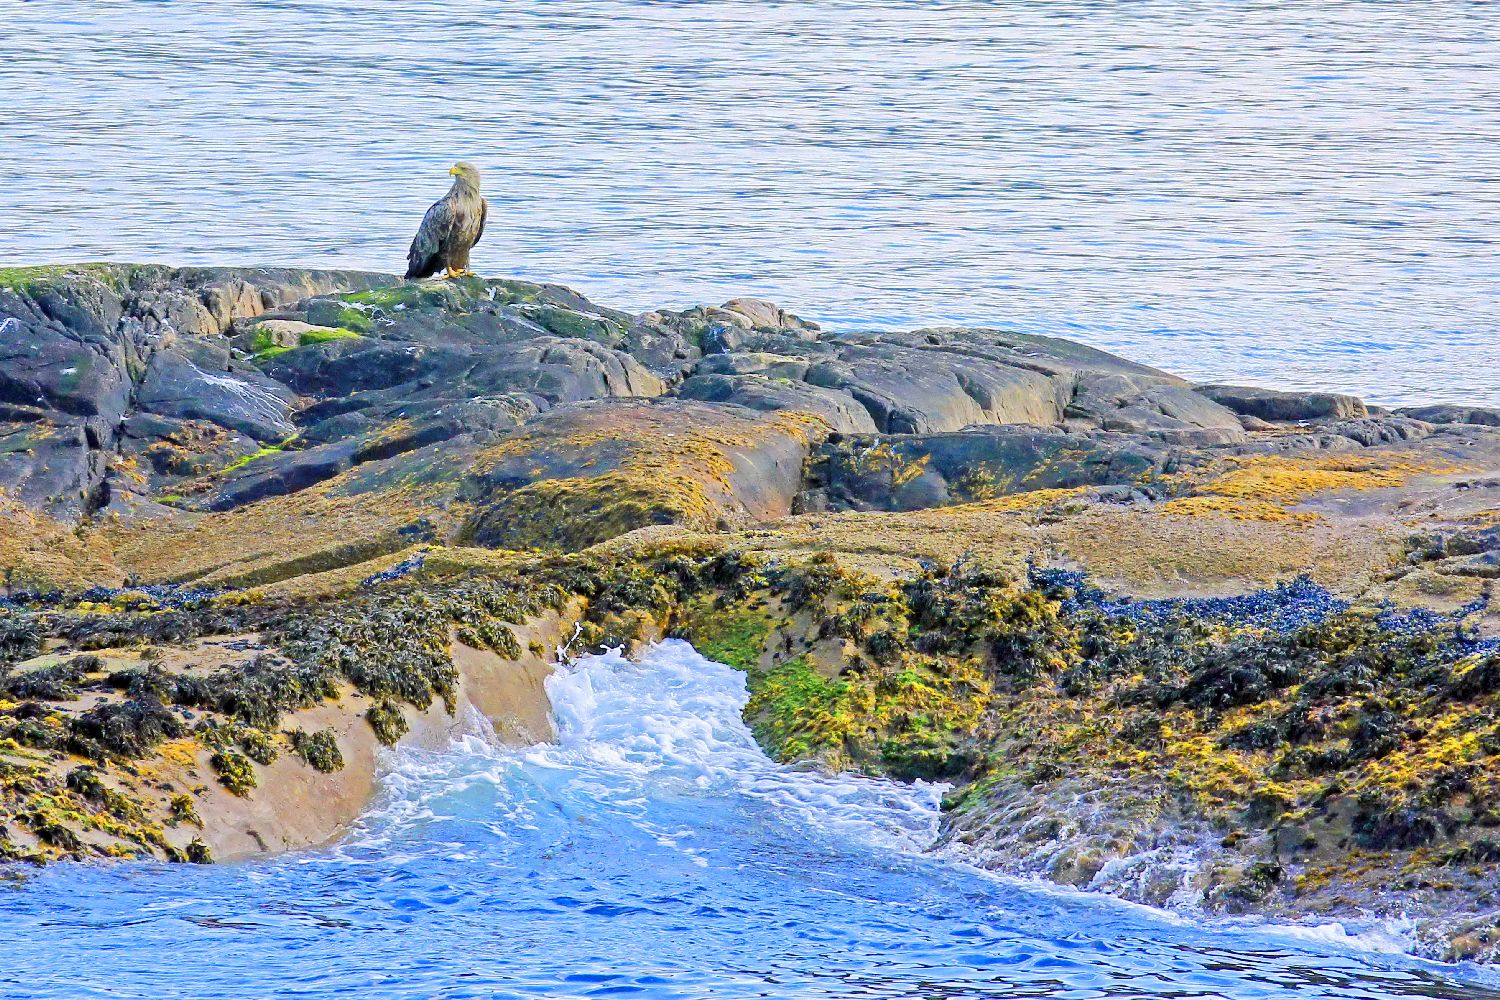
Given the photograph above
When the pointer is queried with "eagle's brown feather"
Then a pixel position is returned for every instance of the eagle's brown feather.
(450, 228)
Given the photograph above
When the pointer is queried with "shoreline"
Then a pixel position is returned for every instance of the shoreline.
(288, 516)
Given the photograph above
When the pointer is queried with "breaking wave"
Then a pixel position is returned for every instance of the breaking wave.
(651, 850)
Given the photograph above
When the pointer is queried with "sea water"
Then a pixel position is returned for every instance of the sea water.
(652, 851)
(1301, 194)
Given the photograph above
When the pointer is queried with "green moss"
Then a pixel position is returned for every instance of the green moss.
(735, 637)
(512, 292)
(31, 279)
(245, 460)
(322, 335)
(263, 452)
(349, 318)
(407, 294)
(966, 798)
(795, 712)
(568, 323)
(264, 346)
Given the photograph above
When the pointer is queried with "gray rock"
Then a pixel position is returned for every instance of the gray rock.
(915, 392)
(766, 315)
(137, 362)
(1448, 413)
(84, 346)
(348, 367)
(865, 472)
(759, 392)
(755, 477)
(1150, 404)
(1269, 404)
(283, 473)
(52, 467)
(177, 386)
(61, 348)
(778, 366)
(1372, 431)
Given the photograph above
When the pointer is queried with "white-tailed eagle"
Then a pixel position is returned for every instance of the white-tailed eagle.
(450, 228)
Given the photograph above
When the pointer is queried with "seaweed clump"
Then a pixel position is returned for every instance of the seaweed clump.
(59, 682)
(128, 729)
(236, 772)
(320, 749)
(386, 719)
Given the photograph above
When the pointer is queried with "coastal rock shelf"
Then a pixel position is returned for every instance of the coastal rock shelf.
(1215, 647)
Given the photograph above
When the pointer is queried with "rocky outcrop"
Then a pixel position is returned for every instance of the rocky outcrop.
(1272, 405)
(352, 511)
(218, 390)
(81, 349)
(1449, 413)
(159, 393)
(584, 474)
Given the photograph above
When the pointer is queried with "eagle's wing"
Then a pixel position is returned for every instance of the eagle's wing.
(426, 249)
(484, 213)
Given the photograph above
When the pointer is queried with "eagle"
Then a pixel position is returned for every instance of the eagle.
(450, 228)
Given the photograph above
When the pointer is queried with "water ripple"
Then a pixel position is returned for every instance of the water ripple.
(1295, 194)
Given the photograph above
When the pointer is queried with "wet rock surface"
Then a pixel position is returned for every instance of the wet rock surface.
(1271, 405)
(1215, 647)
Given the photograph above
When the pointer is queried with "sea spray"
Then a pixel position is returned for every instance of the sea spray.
(652, 850)
(676, 716)
(667, 724)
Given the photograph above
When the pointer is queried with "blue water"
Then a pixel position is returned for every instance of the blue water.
(651, 852)
(1295, 194)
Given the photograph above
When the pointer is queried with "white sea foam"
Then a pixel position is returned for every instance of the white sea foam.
(1376, 935)
(676, 716)
(627, 730)
(669, 724)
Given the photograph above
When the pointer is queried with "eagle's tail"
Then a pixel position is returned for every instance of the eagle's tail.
(417, 268)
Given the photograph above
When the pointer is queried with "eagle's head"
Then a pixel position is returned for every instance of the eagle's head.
(467, 174)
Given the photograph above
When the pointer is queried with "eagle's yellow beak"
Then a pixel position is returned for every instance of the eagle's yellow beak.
(452, 171)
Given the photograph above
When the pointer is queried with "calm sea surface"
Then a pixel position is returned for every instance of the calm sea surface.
(1297, 194)
(651, 852)
(1291, 193)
